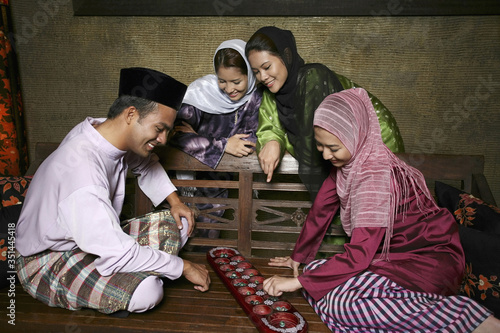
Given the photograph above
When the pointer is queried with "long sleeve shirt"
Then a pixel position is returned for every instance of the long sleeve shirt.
(425, 253)
(270, 127)
(209, 142)
(75, 199)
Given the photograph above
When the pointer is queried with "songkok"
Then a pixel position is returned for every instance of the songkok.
(152, 85)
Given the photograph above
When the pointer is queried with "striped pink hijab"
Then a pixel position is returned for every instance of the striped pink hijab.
(374, 182)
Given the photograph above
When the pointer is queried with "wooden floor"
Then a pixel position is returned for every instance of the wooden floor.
(182, 310)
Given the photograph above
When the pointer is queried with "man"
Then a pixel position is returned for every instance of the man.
(73, 252)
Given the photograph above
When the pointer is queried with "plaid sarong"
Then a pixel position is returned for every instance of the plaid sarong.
(370, 302)
(70, 280)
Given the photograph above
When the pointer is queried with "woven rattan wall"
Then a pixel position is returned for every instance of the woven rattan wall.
(440, 76)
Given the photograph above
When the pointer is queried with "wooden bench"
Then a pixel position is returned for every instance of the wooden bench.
(258, 225)
(270, 221)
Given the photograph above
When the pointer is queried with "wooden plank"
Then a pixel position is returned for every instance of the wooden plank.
(336, 230)
(443, 166)
(206, 183)
(174, 159)
(289, 246)
(286, 187)
(447, 167)
(284, 8)
(199, 241)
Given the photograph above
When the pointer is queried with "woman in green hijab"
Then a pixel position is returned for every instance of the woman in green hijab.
(294, 91)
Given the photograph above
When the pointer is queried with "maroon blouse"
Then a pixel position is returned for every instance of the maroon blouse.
(425, 251)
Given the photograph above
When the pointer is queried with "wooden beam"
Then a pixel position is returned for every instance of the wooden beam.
(285, 7)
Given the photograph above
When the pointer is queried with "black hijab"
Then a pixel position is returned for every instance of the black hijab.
(296, 109)
(287, 49)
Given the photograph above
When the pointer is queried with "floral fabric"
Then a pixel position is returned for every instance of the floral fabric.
(479, 227)
(482, 267)
(475, 213)
(13, 190)
(13, 150)
(12, 193)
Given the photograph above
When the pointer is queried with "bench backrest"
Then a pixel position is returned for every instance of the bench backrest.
(268, 216)
(261, 216)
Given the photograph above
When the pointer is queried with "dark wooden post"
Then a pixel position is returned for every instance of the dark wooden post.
(245, 203)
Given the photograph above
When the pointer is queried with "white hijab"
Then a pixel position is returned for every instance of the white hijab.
(204, 93)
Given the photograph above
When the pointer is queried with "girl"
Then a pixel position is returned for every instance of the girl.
(298, 89)
(219, 115)
(404, 263)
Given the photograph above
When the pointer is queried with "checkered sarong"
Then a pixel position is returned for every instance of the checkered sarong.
(70, 279)
(373, 303)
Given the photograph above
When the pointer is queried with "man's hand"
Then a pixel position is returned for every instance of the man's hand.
(197, 274)
(178, 209)
(269, 158)
(238, 147)
(277, 285)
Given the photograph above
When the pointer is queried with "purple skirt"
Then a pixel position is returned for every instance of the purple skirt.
(370, 302)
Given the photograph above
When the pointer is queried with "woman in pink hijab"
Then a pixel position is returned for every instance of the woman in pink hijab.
(404, 263)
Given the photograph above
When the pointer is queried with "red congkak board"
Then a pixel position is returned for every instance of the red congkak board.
(244, 281)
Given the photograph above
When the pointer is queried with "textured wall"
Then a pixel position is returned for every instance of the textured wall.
(440, 76)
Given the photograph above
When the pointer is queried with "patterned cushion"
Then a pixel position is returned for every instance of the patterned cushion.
(482, 267)
(13, 190)
(480, 237)
(469, 211)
